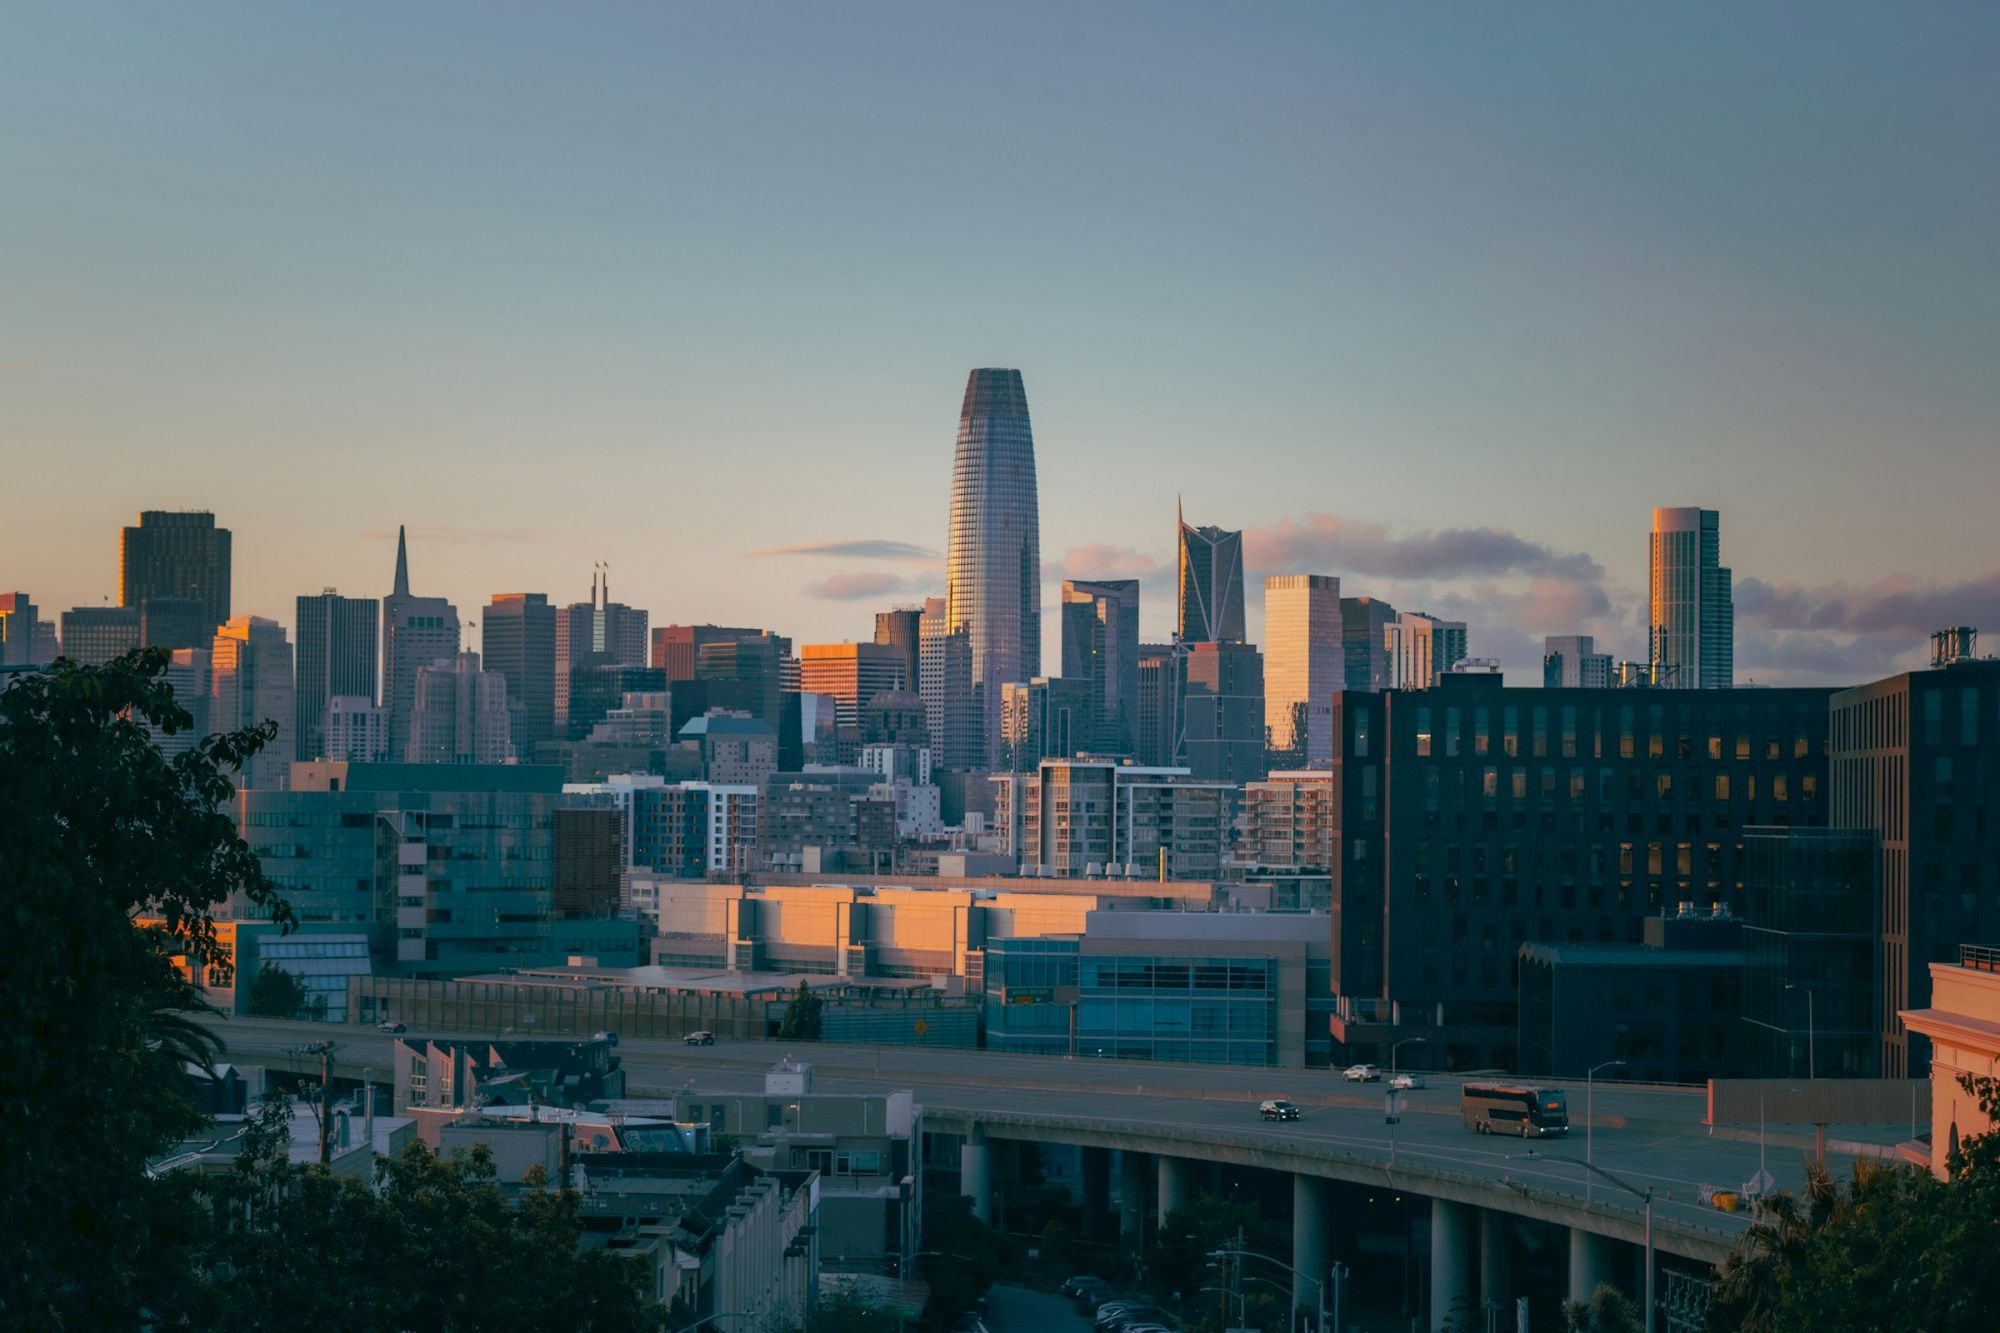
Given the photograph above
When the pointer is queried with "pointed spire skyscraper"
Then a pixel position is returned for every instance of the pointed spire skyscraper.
(402, 588)
(416, 632)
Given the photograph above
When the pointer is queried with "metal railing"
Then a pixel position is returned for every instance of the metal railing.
(1984, 957)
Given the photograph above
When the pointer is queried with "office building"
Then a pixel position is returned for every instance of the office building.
(354, 729)
(1222, 714)
(17, 630)
(1162, 690)
(337, 656)
(250, 674)
(589, 852)
(676, 648)
(1210, 587)
(597, 631)
(1916, 760)
(47, 643)
(1691, 625)
(1305, 661)
(520, 644)
(750, 673)
(851, 674)
(944, 682)
(174, 622)
(190, 678)
(902, 629)
(1421, 648)
(174, 555)
(597, 685)
(459, 715)
(1100, 646)
(1087, 817)
(95, 635)
(1475, 818)
(993, 560)
(1044, 719)
(416, 631)
(736, 751)
(1572, 662)
(1364, 622)
(1288, 822)
(1812, 941)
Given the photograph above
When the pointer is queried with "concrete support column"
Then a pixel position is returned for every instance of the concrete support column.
(1452, 1227)
(1312, 1237)
(1496, 1286)
(975, 1173)
(1131, 1195)
(1096, 1170)
(1589, 1263)
(1176, 1185)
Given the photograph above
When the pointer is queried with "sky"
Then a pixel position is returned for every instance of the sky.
(1441, 299)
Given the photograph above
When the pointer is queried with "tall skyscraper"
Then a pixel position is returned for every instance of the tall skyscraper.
(598, 630)
(1100, 646)
(458, 714)
(1692, 624)
(250, 675)
(520, 643)
(1422, 648)
(1211, 584)
(944, 682)
(1363, 621)
(336, 657)
(17, 629)
(93, 635)
(176, 554)
(902, 629)
(416, 631)
(993, 560)
(1571, 661)
(1304, 663)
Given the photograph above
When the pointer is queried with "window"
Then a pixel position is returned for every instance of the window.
(1423, 731)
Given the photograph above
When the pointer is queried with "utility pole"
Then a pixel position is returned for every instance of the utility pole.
(324, 1050)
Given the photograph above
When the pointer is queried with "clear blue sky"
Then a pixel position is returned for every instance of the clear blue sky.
(670, 286)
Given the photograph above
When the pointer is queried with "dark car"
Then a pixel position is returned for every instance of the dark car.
(1277, 1108)
(699, 1039)
(390, 1026)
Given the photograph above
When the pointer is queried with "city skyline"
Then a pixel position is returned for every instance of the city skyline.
(1405, 272)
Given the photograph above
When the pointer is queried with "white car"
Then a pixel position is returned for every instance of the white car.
(1364, 1073)
(1407, 1082)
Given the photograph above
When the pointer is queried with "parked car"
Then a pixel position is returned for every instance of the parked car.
(1407, 1082)
(699, 1039)
(390, 1025)
(1074, 1287)
(1089, 1294)
(1364, 1073)
(1130, 1316)
(1277, 1108)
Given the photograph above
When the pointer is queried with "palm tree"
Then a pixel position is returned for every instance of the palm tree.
(1749, 1285)
(173, 1031)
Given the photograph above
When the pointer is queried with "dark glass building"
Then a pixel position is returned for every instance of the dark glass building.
(176, 554)
(1812, 939)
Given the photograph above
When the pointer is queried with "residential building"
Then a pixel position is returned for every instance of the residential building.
(902, 629)
(1421, 648)
(176, 554)
(945, 685)
(17, 630)
(434, 1074)
(1961, 1027)
(993, 562)
(821, 817)
(1691, 614)
(95, 635)
(1812, 940)
(1364, 622)
(519, 639)
(1098, 817)
(1100, 646)
(1288, 822)
(1916, 759)
(590, 861)
(1044, 719)
(1210, 596)
(597, 631)
(1571, 661)
(1305, 661)
(250, 677)
(1222, 715)
(354, 729)
(459, 715)
(416, 632)
(1475, 818)
(337, 656)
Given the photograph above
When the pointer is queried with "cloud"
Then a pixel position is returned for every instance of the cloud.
(1327, 542)
(854, 585)
(869, 549)
(1900, 606)
(1101, 561)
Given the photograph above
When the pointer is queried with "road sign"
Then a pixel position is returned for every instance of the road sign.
(920, 1027)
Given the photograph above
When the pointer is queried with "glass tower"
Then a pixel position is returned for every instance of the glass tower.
(1693, 620)
(1211, 584)
(993, 563)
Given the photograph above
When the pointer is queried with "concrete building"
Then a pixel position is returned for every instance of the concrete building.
(47, 642)
(1364, 642)
(95, 635)
(1222, 712)
(519, 642)
(1100, 646)
(902, 629)
(174, 622)
(1691, 611)
(353, 729)
(945, 685)
(1304, 663)
(1916, 759)
(459, 715)
(1288, 822)
(416, 632)
(590, 862)
(250, 678)
(599, 631)
(1081, 817)
(1209, 604)
(1813, 941)
(736, 750)
(1961, 1027)
(176, 554)
(1571, 661)
(18, 619)
(1044, 719)
(1421, 648)
(993, 558)
(337, 656)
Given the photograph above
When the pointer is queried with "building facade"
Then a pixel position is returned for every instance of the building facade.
(336, 656)
(1100, 645)
(519, 640)
(18, 618)
(416, 631)
(1222, 712)
(250, 680)
(1210, 584)
(1044, 719)
(1364, 622)
(597, 631)
(1422, 648)
(1812, 944)
(902, 629)
(1288, 822)
(1096, 817)
(459, 715)
(176, 554)
(354, 729)
(945, 685)
(95, 635)
(1691, 621)
(1571, 661)
(1304, 663)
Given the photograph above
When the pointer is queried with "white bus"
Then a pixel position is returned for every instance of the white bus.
(1515, 1108)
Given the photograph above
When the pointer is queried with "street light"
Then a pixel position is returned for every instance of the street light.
(1590, 1116)
(1319, 1285)
(1399, 1046)
(1646, 1195)
(1812, 1059)
(1242, 1302)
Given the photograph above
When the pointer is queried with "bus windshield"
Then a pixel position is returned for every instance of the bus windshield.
(1550, 1110)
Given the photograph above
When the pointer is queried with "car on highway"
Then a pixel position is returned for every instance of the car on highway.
(1364, 1074)
(610, 1037)
(390, 1025)
(699, 1039)
(1277, 1108)
(1407, 1082)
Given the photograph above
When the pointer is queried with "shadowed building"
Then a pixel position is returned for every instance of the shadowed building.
(520, 643)
(336, 658)
(1100, 647)
(176, 554)
(250, 675)
(416, 631)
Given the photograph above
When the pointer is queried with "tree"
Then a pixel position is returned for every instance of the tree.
(844, 1310)
(1608, 1310)
(100, 826)
(802, 1016)
(963, 1258)
(276, 993)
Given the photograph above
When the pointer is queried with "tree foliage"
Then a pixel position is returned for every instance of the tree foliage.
(1893, 1248)
(94, 1014)
(963, 1256)
(802, 1015)
(1608, 1310)
(276, 993)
